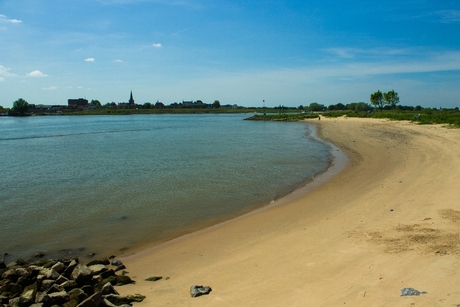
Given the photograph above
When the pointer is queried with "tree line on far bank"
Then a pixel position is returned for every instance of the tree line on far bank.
(378, 100)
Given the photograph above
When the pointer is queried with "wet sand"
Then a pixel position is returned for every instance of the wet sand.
(389, 220)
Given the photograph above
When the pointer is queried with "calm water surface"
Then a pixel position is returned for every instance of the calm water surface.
(100, 184)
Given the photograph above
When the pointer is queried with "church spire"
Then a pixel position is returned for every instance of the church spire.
(131, 100)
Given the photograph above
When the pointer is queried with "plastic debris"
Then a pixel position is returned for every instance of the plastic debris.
(411, 292)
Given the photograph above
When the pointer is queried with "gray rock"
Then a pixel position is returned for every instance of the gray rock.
(124, 280)
(46, 284)
(19, 302)
(135, 297)
(89, 290)
(107, 274)
(69, 285)
(30, 292)
(54, 288)
(70, 267)
(81, 273)
(12, 288)
(59, 267)
(61, 279)
(120, 267)
(40, 255)
(108, 289)
(107, 303)
(116, 262)
(101, 261)
(59, 298)
(42, 298)
(117, 300)
(92, 301)
(78, 294)
(154, 278)
(49, 273)
(196, 291)
(97, 268)
(14, 274)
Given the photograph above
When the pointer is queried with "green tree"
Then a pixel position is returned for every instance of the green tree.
(338, 106)
(216, 104)
(314, 106)
(377, 100)
(20, 107)
(95, 103)
(391, 98)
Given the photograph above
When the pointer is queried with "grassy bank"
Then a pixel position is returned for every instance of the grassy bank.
(424, 117)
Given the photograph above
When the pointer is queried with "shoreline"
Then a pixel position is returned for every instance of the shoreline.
(338, 163)
(389, 220)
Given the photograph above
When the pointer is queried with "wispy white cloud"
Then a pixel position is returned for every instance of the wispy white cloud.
(5, 72)
(36, 73)
(449, 16)
(327, 75)
(2, 79)
(89, 60)
(157, 45)
(183, 30)
(430, 62)
(118, 61)
(50, 88)
(348, 53)
(4, 18)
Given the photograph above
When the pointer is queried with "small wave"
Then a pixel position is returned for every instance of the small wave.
(74, 134)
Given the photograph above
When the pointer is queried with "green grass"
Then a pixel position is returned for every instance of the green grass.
(448, 117)
(283, 117)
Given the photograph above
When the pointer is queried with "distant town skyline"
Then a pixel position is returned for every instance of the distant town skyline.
(282, 52)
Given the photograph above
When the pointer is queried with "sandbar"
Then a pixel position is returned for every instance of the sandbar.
(389, 220)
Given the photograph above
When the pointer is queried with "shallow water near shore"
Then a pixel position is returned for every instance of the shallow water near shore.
(103, 184)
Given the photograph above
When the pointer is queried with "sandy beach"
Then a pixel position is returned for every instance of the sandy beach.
(390, 220)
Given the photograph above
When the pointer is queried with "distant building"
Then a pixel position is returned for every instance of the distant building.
(80, 102)
(131, 100)
(129, 104)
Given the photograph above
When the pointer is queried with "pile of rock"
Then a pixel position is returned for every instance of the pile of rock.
(65, 282)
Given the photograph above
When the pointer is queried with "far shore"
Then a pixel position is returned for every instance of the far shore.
(390, 220)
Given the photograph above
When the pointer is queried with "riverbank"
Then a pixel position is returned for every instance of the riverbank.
(389, 221)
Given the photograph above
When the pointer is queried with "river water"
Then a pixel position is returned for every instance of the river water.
(103, 184)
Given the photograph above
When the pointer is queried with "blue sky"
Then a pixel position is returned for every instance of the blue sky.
(238, 52)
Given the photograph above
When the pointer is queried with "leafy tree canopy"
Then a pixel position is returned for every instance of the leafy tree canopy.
(314, 106)
(95, 103)
(377, 100)
(391, 98)
(20, 107)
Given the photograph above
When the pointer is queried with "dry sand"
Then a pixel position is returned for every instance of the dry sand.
(390, 220)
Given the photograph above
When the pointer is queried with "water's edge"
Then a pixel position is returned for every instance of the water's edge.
(338, 163)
